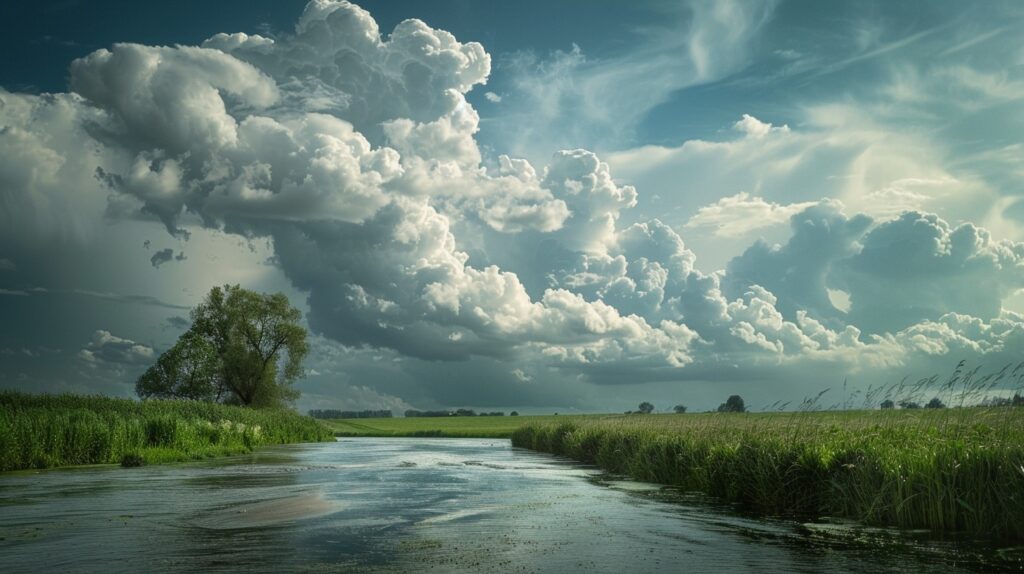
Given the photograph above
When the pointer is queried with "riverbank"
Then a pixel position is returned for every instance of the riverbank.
(946, 470)
(45, 431)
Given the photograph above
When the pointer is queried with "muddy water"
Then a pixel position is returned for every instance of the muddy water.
(399, 505)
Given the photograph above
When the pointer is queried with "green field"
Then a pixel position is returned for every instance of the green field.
(42, 431)
(947, 470)
(481, 427)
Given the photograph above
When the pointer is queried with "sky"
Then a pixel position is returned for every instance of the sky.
(566, 206)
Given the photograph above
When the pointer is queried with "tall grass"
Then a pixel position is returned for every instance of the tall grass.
(41, 431)
(949, 470)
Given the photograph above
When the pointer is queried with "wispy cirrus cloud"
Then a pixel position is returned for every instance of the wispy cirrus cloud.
(570, 99)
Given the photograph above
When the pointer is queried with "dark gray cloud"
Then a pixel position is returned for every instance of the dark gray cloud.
(902, 272)
(798, 272)
(918, 267)
(166, 256)
(134, 299)
(161, 257)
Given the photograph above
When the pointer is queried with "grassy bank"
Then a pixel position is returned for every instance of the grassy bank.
(948, 470)
(41, 431)
(455, 427)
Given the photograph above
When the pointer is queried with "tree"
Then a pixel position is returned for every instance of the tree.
(188, 370)
(734, 404)
(888, 404)
(679, 409)
(935, 403)
(645, 408)
(259, 341)
(253, 342)
(909, 405)
(513, 414)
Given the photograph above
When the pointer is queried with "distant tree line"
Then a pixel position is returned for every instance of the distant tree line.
(1016, 401)
(336, 414)
(936, 403)
(734, 404)
(411, 413)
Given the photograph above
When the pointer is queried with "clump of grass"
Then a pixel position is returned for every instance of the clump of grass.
(132, 459)
(41, 431)
(952, 470)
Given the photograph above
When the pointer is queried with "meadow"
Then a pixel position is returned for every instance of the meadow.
(957, 470)
(454, 427)
(43, 431)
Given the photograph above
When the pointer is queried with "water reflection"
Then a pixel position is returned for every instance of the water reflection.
(444, 505)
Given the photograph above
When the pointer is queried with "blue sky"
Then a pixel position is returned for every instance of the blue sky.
(518, 204)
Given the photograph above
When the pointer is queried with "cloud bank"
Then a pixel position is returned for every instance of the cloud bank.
(353, 153)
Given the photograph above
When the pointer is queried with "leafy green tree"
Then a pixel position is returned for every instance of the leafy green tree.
(909, 405)
(679, 409)
(188, 370)
(259, 340)
(645, 408)
(888, 404)
(734, 404)
(256, 342)
(935, 403)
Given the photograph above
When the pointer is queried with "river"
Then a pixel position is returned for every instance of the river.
(399, 505)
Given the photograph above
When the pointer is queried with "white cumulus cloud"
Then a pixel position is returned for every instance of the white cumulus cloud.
(350, 156)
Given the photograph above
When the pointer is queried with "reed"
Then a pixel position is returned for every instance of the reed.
(42, 431)
(950, 470)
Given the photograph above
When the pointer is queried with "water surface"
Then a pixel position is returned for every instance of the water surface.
(398, 505)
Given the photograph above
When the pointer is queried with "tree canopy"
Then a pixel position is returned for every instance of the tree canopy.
(243, 347)
(188, 370)
(734, 404)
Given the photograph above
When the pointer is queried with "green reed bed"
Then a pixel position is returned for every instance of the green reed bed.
(949, 470)
(42, 431)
